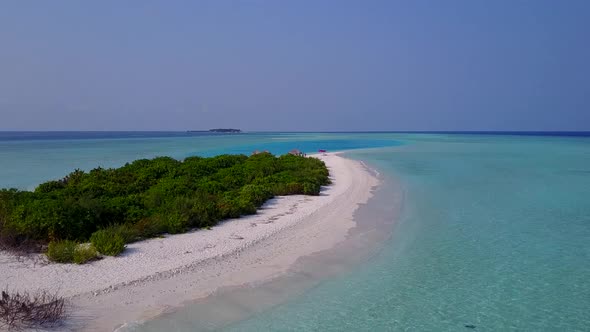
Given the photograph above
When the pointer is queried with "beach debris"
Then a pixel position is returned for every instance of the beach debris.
(470, 326)
(236, 237)
(23, 310)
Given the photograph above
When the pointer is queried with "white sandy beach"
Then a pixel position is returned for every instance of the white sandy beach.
(154, 275)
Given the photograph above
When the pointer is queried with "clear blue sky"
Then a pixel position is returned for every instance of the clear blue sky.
(295, 65)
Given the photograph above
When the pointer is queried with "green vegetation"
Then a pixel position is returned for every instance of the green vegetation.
(61, 251)
(108, 241)
(67, 251)
(84, 253)
(147, 198)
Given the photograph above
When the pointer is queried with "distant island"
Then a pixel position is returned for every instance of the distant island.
(217, 130)
(225, 130)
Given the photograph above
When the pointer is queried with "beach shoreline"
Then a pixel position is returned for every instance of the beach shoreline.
(155, 275)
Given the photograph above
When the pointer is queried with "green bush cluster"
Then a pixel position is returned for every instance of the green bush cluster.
(145, 198)
(84, 253)
(108, 241)
(61, 251)
(67, 251)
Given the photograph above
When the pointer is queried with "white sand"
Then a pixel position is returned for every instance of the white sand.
(156, 274)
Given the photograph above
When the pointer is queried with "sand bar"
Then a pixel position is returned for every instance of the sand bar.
(155, 275)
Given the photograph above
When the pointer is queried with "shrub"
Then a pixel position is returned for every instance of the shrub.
(84, 253)
(67, 251)
(228, 207)
(61, 251)
(127, 231)
(246, 207)
(295, 188)
(17, 244)
(175, 223)
(150, 227)
(310, 188)
(256, 194)
(108, 242)
(31, 311)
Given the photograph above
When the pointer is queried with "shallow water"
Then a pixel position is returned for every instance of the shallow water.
(494, 232)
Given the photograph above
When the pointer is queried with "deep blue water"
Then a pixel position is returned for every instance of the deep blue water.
(494, 230)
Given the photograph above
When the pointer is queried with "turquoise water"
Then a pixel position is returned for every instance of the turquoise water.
(28, 159)
(494, 231)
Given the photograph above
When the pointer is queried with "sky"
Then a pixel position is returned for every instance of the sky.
(300, 65)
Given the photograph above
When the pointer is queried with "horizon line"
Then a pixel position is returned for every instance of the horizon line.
(297, 131)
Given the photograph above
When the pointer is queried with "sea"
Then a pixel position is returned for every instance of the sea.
(478, 231)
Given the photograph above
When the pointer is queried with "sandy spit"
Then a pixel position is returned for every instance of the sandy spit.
(155, 275)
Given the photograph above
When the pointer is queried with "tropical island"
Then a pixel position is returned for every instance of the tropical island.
(167, 223)
(85, 214)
